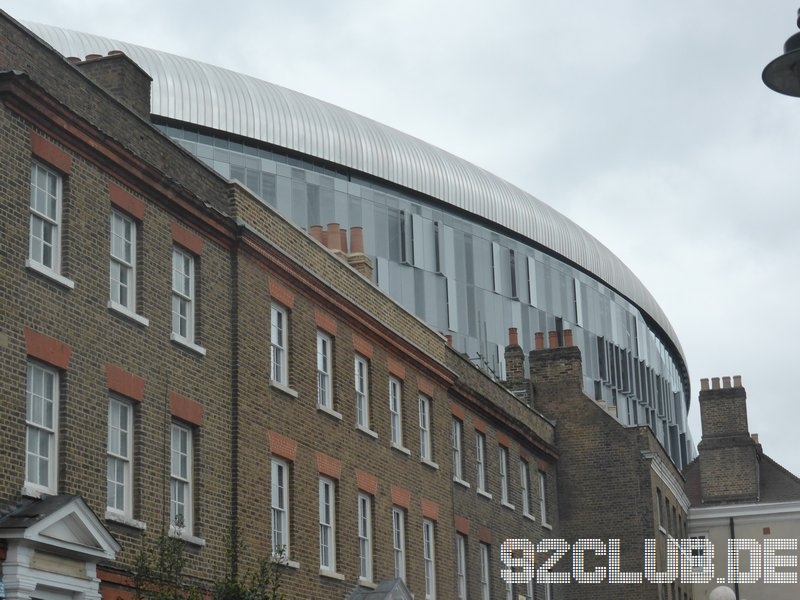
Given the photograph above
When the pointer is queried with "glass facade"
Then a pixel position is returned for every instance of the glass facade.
(471, 279)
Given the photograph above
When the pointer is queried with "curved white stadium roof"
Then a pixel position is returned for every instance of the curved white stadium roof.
(217, 98)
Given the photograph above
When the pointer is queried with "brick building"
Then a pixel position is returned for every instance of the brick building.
(614, 482)
(737, 492)
(177, 357)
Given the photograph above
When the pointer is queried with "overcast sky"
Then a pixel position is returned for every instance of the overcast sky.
(645, 122)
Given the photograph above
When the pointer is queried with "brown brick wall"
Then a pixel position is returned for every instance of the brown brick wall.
(109, 352)
(607, 486)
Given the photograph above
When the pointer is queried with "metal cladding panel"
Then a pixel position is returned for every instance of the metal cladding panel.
(209, 96)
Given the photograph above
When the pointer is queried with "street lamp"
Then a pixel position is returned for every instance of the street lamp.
(783, 74)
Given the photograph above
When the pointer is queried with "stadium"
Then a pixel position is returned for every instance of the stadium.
(468, 253)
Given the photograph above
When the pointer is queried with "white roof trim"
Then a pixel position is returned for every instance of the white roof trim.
(72, 529)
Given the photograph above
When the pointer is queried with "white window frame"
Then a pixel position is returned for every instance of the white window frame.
(184, 282)
(480, 462)
(279, 345)
(280, 530)
(457, 436)
(45, 207)
(504, 498)
(425, 445)
(461, 566)
(122, 262)
(327, 525)
(361, 383)
(324, 371)
(486, 581)
(365, 537)
(525, 486)
(399, 542)
(396, 411)
(181, 476)
(543, 497)
(429, 558)
(41, 421)
(119, 451)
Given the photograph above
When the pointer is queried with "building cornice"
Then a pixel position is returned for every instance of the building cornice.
(700, 516)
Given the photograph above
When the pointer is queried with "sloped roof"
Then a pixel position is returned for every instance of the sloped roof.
(776, 484)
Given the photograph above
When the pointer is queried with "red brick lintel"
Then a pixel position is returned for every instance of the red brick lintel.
(47, 349)
(48, 152)
(122, 382)
(186, 409)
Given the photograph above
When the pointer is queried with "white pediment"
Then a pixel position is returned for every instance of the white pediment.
(68, 527)
(389, 589)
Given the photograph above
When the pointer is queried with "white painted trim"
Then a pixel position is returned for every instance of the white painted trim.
(665, 475)
(776, 511)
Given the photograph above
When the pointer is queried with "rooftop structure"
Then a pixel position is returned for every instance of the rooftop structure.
(466, 251)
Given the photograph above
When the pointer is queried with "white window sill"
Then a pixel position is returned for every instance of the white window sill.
(402, 449)
(292, 564)
(329, 411)
(460, 481)
(485, 494)
(547, 526)
(368, 431)
(331, 574)
(429, 463)
(49, 273)
(179, 339)
(283, 388)
(124, 520)
(529, 516)
(31, 490)
(367, 583)
(128, 314)
(187, 537)
(508, 505)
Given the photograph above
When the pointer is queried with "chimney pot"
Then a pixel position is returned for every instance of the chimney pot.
(513, 339)
(73, 60)
(93, 56)
(568, 338)
(715, 383)
(704, 384)
(538, 340)
(334, 238)
(726, 382)
(357, 240)
(343, 240)
(552, 339)
(755, 438)
(737, 381)
(449, 339)
(316, 233)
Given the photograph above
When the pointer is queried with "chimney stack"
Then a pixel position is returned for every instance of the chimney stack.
(729, 456)
(118, 75)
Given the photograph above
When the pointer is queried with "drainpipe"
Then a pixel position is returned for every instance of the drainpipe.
(733, 537)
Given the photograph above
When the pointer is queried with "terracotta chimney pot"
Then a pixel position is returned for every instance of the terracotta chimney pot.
(552, 339)
(334, 238)
(538, 340)
(357, 240)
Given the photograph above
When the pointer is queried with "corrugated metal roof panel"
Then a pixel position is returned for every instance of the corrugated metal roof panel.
(188, 90)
